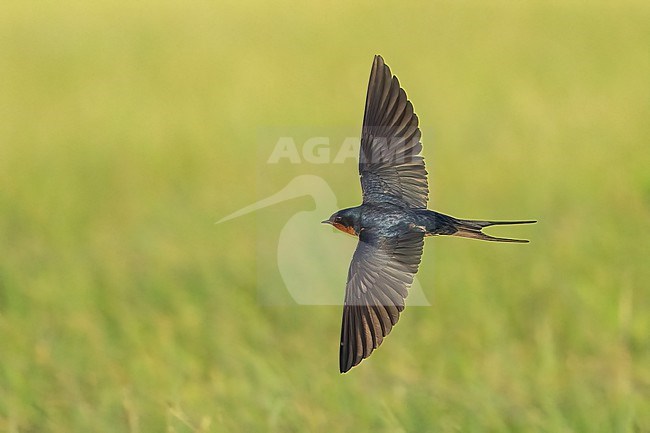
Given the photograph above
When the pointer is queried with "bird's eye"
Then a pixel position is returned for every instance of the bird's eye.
(337, 219)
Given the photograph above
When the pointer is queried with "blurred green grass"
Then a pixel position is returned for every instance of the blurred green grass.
(128, 129)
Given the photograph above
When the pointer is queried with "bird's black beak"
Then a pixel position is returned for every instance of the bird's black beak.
(326, 222)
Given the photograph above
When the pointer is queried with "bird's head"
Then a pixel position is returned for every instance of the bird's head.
(346, 220)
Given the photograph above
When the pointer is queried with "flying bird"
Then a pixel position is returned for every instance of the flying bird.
(392, 221)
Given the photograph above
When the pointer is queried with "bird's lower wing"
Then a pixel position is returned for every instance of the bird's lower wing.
(380, 274)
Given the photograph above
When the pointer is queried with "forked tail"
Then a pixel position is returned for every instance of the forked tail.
(472, 229)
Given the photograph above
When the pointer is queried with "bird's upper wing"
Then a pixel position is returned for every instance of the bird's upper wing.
(389, 163)
(380, 274)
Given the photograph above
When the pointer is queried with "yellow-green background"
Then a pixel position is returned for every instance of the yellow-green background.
(128, 128)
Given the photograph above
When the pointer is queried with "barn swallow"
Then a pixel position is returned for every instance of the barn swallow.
(392, 221)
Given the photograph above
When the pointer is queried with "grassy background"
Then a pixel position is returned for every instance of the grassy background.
(127, 129)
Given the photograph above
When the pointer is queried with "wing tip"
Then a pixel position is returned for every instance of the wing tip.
(346, 362)
(378, 63)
